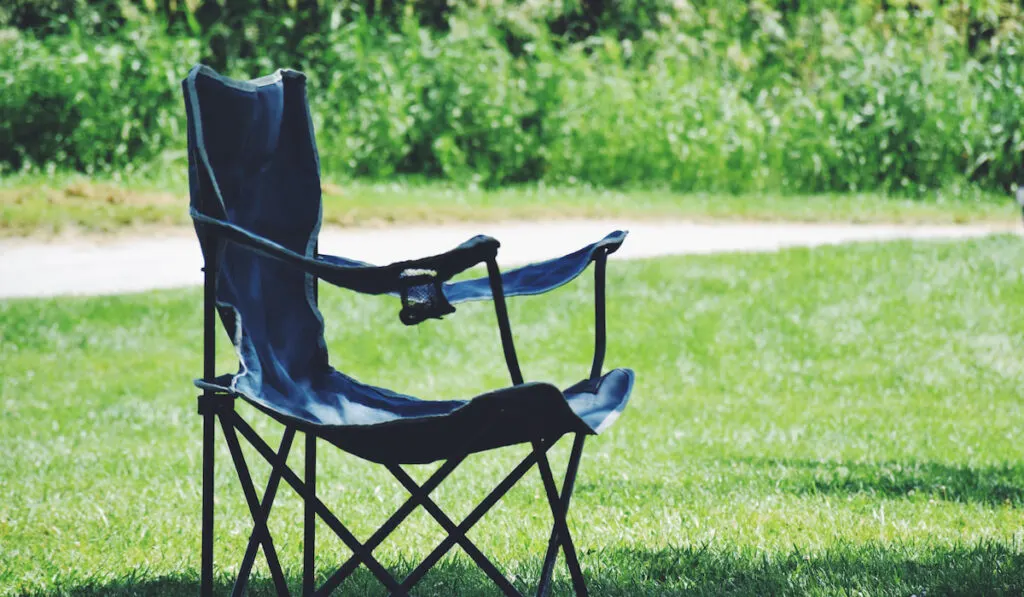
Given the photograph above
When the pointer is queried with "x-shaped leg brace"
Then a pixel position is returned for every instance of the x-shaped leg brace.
(419, 496)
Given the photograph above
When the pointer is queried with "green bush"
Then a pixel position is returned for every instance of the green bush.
(727, 97)
(451, 105)
(88, 105)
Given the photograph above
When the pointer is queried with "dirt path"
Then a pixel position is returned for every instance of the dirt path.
(92, 266)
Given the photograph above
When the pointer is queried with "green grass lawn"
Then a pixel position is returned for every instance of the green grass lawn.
(837, 421)
(32, 205)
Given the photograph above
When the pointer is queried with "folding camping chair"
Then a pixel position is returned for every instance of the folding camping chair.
(255, 201)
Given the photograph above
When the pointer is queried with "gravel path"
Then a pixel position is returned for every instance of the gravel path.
(92, 266)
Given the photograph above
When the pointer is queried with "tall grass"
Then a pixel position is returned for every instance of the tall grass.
(736, 98)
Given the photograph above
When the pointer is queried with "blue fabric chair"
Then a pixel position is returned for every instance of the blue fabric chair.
(254, 178)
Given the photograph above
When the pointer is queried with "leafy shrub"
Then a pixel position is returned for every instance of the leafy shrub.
(85, 104)
(733, 96)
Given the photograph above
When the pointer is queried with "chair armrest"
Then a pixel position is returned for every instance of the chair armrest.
(537, 278)
(395, 278)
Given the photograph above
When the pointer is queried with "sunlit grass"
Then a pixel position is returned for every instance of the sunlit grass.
(843, 420)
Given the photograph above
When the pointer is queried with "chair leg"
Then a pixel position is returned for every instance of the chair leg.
(559, 505)
(206, 558)
(548, 569)
(309, 521)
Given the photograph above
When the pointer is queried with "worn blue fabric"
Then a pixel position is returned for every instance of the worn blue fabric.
(254, 177)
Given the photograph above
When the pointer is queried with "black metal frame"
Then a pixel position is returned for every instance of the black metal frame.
(219, 407)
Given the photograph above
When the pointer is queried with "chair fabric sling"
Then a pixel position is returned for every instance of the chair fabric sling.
(254, 178)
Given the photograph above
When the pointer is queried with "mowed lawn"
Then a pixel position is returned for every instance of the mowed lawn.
(836, 421)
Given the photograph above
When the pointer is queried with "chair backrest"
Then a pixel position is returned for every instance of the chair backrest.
(253, 163)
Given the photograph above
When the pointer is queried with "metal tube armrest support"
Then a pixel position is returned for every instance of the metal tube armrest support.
(504, 327)
(600, 261)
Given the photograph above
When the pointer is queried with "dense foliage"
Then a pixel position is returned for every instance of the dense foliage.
(698, 95)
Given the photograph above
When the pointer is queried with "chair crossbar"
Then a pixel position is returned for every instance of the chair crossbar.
(319, 507)
(458, 535)
(233, 425)
(568, 484)
(392, 523)
(255, 510)
(482, 508)
(268, 502)
(561, 530)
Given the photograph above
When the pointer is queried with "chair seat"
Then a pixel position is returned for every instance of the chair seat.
(386, 427)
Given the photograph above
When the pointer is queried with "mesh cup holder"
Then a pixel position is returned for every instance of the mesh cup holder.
(422, 297)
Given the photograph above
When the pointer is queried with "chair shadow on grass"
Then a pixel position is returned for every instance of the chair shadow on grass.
(992, 486)
(983, 569)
